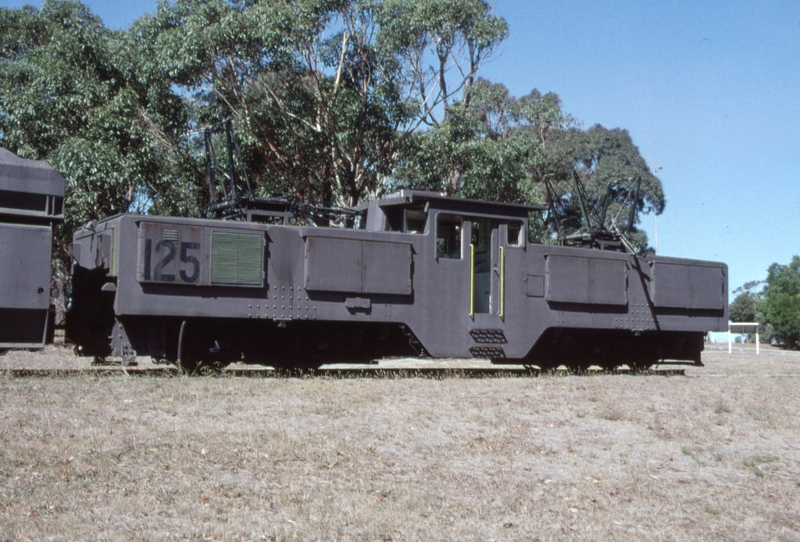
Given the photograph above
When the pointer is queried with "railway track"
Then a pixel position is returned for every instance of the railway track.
(436, 373)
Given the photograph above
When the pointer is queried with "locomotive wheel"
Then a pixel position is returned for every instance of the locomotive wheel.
(187, 366)
(191, 366)
(193, 357)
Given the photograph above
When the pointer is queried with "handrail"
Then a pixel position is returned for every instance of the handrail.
(471, 280)
(502, 282)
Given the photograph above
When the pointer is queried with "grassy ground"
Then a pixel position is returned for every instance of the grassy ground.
(713, 455)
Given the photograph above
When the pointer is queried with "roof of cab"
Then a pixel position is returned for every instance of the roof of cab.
(411, 197)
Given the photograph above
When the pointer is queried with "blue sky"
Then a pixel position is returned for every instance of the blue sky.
(709, 90)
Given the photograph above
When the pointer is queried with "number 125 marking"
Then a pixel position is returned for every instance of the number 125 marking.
(168, 247)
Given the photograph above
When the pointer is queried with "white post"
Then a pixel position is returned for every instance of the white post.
(757, 341)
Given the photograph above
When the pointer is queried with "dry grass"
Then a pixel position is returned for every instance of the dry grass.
(712, 455)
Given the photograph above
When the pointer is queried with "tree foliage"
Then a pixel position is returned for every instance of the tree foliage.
(780, 306)
(324, 92)
(72, 93)
(743, 308)
(333, 101)
(495, 146)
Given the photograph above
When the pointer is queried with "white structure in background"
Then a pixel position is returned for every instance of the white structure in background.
(742, 327)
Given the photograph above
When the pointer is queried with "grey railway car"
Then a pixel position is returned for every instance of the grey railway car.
(31, 202)
(419, 274)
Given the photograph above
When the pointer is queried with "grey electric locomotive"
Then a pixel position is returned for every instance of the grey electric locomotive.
(418, 273)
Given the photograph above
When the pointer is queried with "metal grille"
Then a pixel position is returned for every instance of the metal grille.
(487, 352)
(171, 235)
(236, 258)
(488, 336)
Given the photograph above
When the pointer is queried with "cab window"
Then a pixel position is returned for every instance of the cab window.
(514, 233)
(448, 236)
(414, 220)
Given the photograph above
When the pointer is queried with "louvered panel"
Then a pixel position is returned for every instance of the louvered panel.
(236, 258)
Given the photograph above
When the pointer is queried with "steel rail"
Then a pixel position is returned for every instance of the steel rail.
(436, 373)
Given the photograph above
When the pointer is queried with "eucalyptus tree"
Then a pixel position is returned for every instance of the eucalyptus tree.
(608, 164)
(779, 308)
(333, 101)
(479, 151)
(324, 93)
(495, 146)
(70, 93)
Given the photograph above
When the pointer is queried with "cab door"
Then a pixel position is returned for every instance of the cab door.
(486, 261)
(487, 270)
